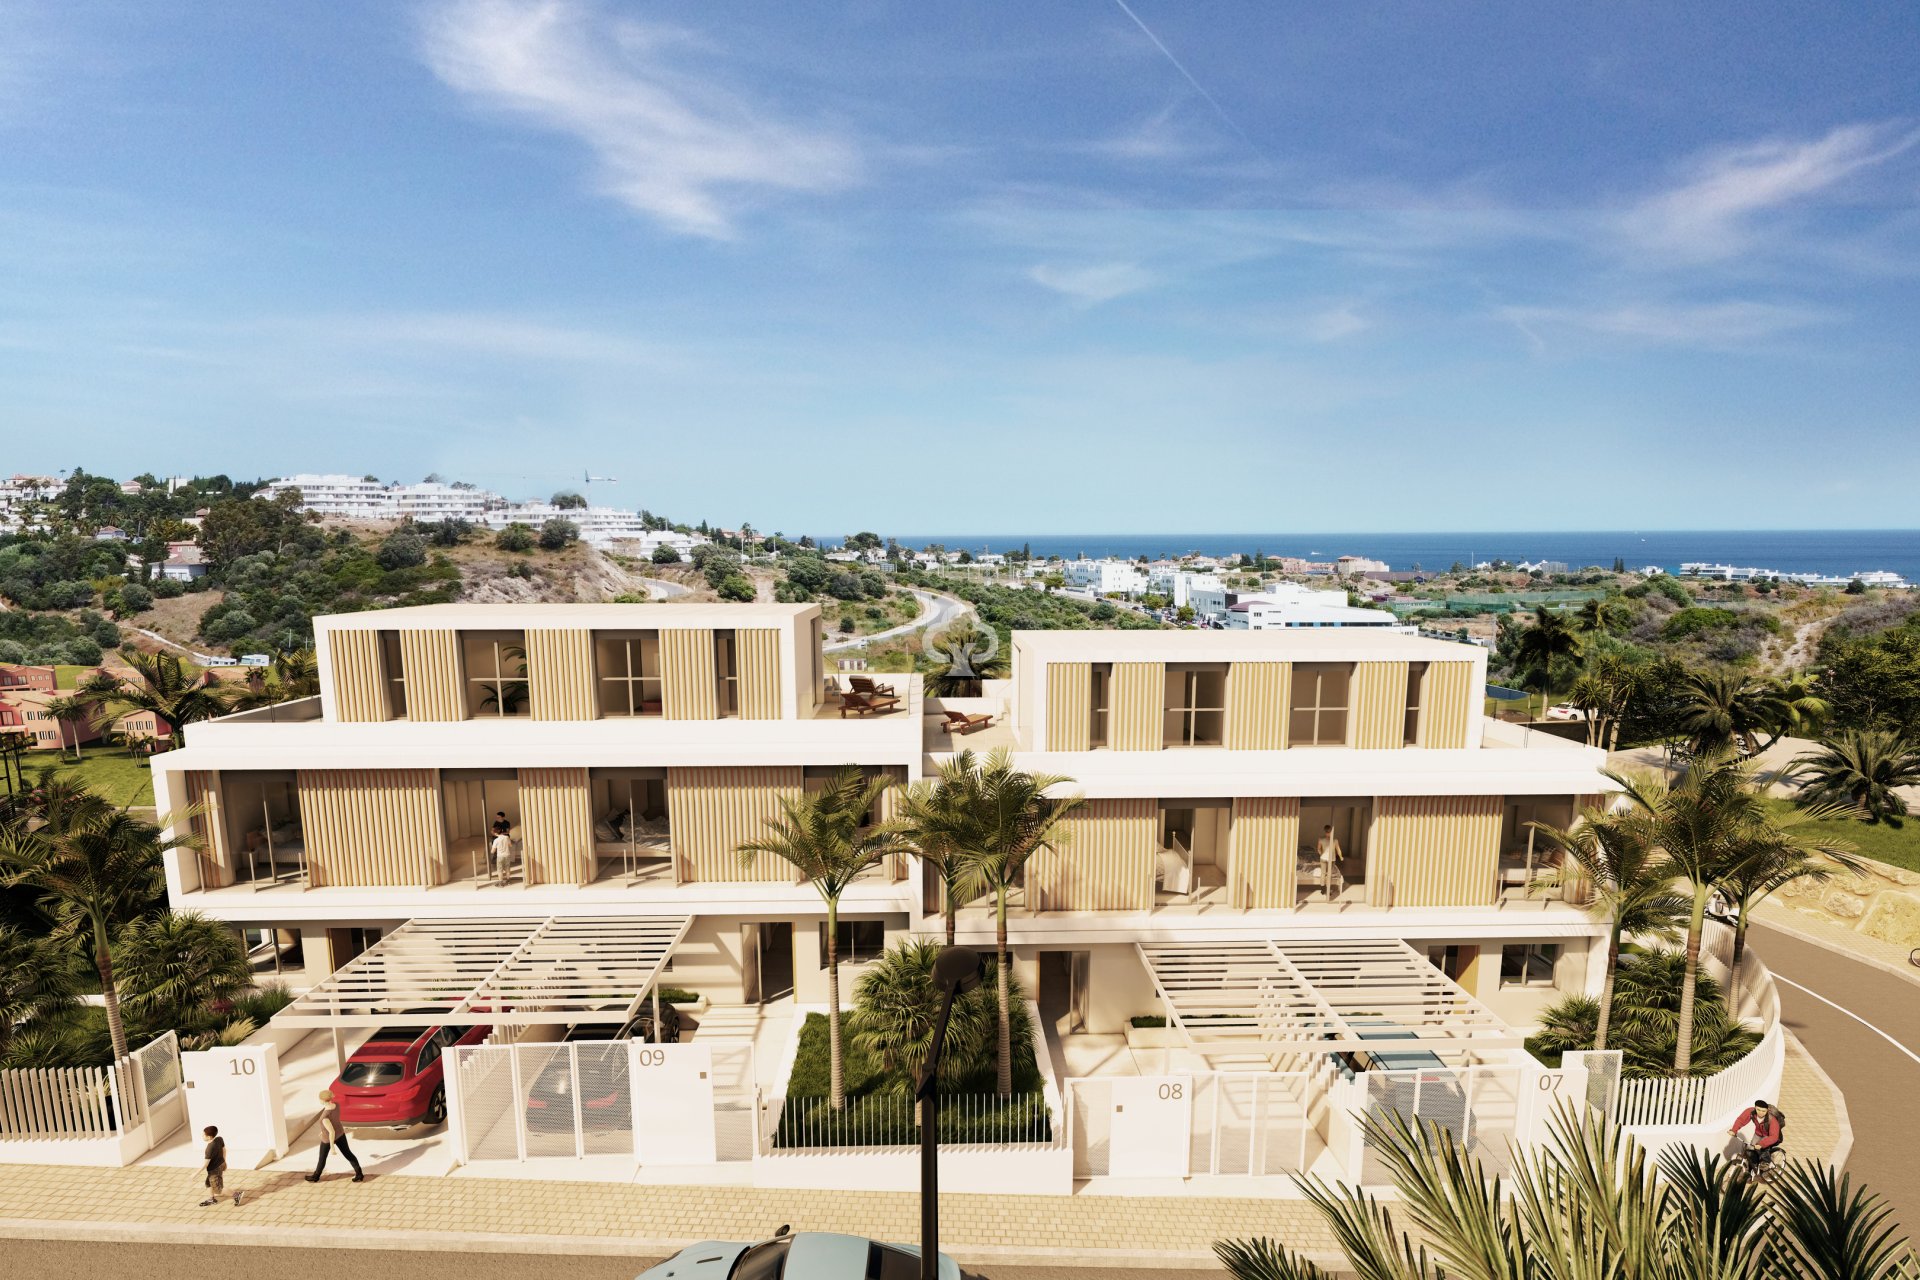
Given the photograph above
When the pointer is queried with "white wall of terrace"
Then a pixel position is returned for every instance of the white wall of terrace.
(251, 743)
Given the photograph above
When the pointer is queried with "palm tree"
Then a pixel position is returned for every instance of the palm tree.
(1631, 881)
(294, 673)
(36, 980)
(896, 1005)
(1549, 638)
(1775, 859)
(1605, 691)
(176, 970)
(1723, 709)
(1862, 768)
(938, 820)
(1599, 614)
(95, 863)
(165, 689)
(1013, 820)
(1589, 1204)
(826, 837)
(72, 710)
(972, 656)
(1706, 824)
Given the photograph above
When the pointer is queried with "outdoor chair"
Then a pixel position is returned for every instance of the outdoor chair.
(861, 704)
(868, 686)
(961, 722)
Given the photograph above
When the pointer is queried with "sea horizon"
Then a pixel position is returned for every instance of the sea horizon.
(1823, 551)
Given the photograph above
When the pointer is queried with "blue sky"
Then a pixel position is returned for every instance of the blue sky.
(995, 267)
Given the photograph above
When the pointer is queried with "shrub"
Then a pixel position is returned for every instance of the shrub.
(894, 1008)
(259, 1006)
(664, 554)
(515, 537)
(168, 589)
(557, 534)
(402, 549)
(736, 586)
(131, 599)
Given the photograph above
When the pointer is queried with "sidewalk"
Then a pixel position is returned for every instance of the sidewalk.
(593, 1217)
(1819, 1128)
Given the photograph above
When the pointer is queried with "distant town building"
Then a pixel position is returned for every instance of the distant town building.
(1105, 577)
(1348, 566)
(184, 563)
(352, 497)
(1265, 613)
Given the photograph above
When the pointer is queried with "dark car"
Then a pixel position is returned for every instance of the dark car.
(603, 1096)
(397, 1079)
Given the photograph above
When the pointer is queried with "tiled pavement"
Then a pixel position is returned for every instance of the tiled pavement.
(600, 1217)
(1816, 1114)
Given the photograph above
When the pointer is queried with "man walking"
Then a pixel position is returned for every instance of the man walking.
(333, 1134)
(213, 1161)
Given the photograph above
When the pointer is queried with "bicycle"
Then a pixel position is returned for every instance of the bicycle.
(1755, 1163)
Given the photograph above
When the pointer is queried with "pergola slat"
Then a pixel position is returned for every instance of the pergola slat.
(547, 969)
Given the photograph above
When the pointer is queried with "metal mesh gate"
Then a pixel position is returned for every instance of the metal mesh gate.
(1091, 1105)
(1479, 1106)
(534, 1101)
(1254, 1124)
(734, 1102)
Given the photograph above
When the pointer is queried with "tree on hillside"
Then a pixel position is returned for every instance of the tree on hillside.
(1547, 639)
(665, 554)
(567, 500)
(515, 537)
(557, 534)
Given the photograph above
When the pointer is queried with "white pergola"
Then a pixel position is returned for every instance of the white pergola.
(554, 970)
(1273, 998)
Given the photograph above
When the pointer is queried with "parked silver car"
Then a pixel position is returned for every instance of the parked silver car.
(810, 1255)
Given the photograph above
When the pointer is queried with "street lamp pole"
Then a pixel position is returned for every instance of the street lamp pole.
(956, 970)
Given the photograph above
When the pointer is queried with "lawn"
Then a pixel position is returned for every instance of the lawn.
(66, 675)
(1897, 846)
(105, 769)
(880, 1109)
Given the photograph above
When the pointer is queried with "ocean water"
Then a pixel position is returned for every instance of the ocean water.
(1826, 551)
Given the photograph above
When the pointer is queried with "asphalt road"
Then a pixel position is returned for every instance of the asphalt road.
(935, 611)
(33, 1259)
(1862, 1025)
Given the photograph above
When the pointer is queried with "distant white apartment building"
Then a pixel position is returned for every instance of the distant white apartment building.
(1178, 585)
(599, 526)
(354, 497)
(19, 492)
(1105, 577)
(1351, 565)
(1264, 613)
(431, 501)
(1214, 601)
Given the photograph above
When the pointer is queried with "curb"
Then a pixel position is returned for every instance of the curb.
(1794, 931)
(1844, 1147)
(586, 1246)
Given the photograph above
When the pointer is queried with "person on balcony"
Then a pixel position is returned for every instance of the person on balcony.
(500, 847)
(1329, 850)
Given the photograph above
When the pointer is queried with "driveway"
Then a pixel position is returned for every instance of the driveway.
(1862, 1024)
(936, 611)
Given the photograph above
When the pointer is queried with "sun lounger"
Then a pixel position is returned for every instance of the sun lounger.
(861, 704)
(961, 722)
(867, 685)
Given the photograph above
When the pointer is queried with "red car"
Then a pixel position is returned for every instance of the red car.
(397, 1079)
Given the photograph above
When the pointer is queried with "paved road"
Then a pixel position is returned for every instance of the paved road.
(936, 611)
(1869, 1044)
(664, 590)
(115, 1261)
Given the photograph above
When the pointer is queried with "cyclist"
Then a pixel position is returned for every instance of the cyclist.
(1769, 1130)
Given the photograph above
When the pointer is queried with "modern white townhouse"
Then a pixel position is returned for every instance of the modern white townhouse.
(353, 497)
(1105, 577)
(1268, 789)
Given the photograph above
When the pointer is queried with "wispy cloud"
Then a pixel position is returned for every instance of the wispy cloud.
(1712, 325)
(1096, 282)
(1710, 212)
(669, 139)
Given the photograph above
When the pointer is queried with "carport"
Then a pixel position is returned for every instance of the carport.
(1271, 998)
(524, 971)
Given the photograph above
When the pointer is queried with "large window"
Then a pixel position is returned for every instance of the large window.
(726, 674)
(1196, 712)
(1416, 678)
(859, 941)
(496, 669)
(627, 666)
(1528, 964)
(1318, 711)
(1099, 703)
(394, 665)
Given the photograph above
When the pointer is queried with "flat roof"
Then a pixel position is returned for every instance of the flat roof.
(614, 616)
(1327, 644)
